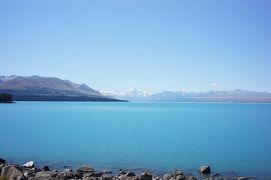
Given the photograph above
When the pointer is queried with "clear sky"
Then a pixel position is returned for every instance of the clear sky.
(153, 45)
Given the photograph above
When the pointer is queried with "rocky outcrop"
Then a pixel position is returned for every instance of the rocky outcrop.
(144, 176)
(205, 169)
(2, 162)
(45, 168)
(66, 174)
(85, 172)
(46, 175)
(13, 172)
(177, 175)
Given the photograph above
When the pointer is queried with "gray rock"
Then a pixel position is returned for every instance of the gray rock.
(30, 172)
(190, 178)
(205, 169)
(29, 164)
(85, 169)
(126, 176)
(2, 162)
(13, 172)
(173, 175)
(106, 177)
(47, 175)
(121, 172)
(144, 176)
(91, 178)
(81, 171)
(245, 178)
(66, 174)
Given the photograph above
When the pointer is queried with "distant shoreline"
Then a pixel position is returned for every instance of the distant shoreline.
(63, 98)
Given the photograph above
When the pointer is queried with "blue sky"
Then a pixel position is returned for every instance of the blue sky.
(153, 45)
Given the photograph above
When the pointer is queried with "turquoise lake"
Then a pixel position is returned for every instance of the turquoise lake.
(231, 138)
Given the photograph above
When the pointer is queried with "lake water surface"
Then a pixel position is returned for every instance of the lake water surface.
(155, 136)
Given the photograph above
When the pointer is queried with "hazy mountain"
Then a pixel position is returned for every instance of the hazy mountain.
(180, 96)
(133, 94)
(22, 87)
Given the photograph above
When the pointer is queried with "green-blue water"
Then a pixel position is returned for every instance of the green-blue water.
(155, 136)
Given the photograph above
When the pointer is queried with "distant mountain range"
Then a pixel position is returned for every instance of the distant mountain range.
(181, 96)
(37, 88)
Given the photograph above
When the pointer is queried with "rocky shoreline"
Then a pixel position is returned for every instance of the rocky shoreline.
(28, 171)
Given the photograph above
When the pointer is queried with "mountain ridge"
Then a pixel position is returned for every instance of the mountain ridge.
(51, 88)
(236, 95)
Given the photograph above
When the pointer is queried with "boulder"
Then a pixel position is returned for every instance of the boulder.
(85, 169)
(106, 177)
(47, 175)
(66, 174)
(144, 176)
(93, 174)
(173, 175)
(177, 175)
(45, 168)
(189, 178)
(205, 169)
(126, 176)
(130, 174)
(2, 162)
(121, 172)
(29, 164)
(13, 172)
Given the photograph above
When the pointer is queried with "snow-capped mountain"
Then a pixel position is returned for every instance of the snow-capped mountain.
(7, 78)
(133, 94)
(238, 95)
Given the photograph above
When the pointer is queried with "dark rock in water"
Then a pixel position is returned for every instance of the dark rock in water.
(45, 168)
(121, 172)
(130, 174)
(29, 164)
(106, 172)
(144, 176)
(2, 162)
(13, 172)
(66, 174)
(205, 169)
(216, 174)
